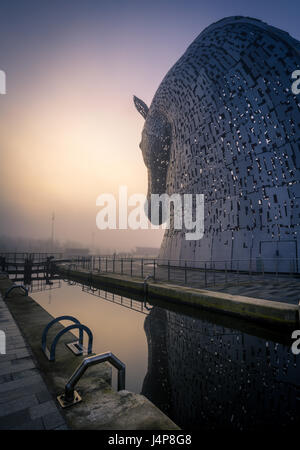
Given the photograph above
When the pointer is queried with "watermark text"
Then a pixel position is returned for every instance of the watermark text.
(176, 211)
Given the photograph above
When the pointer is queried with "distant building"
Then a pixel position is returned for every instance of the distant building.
(122, 255)
(77, 251)
(147, 251)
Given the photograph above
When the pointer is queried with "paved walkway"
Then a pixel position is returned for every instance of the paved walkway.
(276, 287)
(25, 402)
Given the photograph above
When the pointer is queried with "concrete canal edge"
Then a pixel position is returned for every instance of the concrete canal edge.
(101, 407)
(278, 314)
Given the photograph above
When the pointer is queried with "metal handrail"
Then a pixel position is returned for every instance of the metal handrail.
(50, 324)
(51, 354)
(16, 286)
(68, 396)
(81, 327)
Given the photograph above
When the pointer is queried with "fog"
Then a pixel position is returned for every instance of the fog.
(69, 130)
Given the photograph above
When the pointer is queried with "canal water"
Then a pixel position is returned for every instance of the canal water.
(205, 371)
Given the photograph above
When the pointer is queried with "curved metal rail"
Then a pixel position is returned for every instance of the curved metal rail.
(70, 396)
(16, 286)
(79, 344)
(65, 330)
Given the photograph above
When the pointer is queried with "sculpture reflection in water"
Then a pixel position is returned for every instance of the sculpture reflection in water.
(207, 376)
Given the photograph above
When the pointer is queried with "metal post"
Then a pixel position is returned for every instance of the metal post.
(142, 268)
(131, 267)
(121, 266)
(3, 263)
(106, 263)
(168, 270)
(27, 271)
(205, 275)
(185, 273)
(154, 269)
(214, 269)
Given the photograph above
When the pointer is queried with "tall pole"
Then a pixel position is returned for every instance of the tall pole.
(93, 243)
(52, 231)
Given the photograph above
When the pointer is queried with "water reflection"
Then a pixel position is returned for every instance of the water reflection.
(204, 370)
(208, 376)
(115, 326)
(43, 284)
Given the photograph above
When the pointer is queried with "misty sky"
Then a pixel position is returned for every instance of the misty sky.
(68, 128)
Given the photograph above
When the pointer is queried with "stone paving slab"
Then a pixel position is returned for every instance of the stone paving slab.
(25, 401)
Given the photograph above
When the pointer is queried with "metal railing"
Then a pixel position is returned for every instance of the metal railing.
(70, 396)
(44, 284)
(194, 273)
(125, 302)
(27, 266)
(35, 257)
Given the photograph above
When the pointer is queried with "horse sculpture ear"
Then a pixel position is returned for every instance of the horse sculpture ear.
(141, 106)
